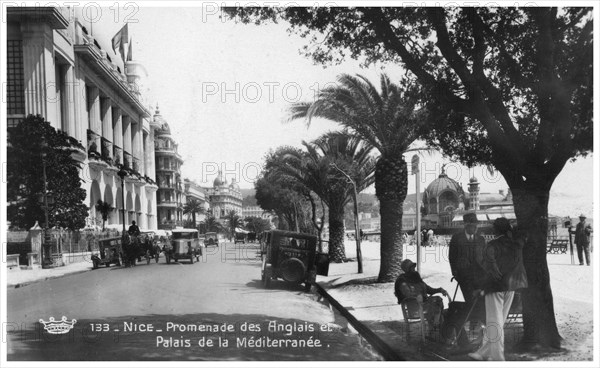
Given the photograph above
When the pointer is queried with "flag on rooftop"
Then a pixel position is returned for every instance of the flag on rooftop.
(119, 41)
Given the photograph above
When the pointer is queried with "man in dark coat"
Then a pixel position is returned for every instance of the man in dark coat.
(465, 252)
(583, 232)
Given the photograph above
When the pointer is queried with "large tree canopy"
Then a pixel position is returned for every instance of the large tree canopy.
(26, 155)
(509, 87)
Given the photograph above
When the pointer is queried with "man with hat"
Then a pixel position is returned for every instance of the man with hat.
(583, 231)
(465, 254)
(410, 284)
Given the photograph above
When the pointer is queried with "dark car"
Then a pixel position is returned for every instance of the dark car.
(292, 257)
(211, 239)
(109, 252)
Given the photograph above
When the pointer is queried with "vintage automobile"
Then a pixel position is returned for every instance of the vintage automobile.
(211, 239)
(292, 257)
(239, 238)
(109, 252)
(185, 243)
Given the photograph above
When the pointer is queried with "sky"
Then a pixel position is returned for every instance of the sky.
(223, 87)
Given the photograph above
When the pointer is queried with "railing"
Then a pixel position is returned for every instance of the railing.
(127, 160)
(117, 154)
(136, 164)
(93, 142)
(106, 151)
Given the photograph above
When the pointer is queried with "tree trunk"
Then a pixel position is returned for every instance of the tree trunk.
(391, 182)
(337, 252)
(531, 209)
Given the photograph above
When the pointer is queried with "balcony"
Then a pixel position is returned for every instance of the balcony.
(127, 160)
(94, 156)
(106, 154)
(117, 154)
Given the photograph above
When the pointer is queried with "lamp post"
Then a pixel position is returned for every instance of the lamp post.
(46, 199)
(415, 170)
(356, 224)
(122, 174)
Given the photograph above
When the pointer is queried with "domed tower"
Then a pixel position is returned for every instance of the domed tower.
(442, 195)
(473, 194)
(219, 181)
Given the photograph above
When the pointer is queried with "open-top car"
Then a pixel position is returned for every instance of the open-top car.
(292, 257)
(109, 252)
(185, 244)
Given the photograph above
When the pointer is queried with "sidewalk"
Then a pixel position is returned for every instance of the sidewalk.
(375, 305)
(17, 278)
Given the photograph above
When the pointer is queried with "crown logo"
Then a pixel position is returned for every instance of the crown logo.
(58, 327)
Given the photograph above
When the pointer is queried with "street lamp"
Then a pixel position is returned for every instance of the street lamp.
(46, 198)
(122, 174)
(356, 224)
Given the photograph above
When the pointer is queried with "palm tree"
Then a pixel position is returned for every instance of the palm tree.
(193, 206)
(313, 169)
(211, 224)
(389, 121)
(233, 222)
(105, 209)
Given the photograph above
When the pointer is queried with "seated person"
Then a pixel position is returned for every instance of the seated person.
(410, 284)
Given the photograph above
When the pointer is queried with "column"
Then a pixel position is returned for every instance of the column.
(107, 126)
(117, 135)
(68, 102)
(39, 71)
(127, 138)
(80, 104)
(94, 117)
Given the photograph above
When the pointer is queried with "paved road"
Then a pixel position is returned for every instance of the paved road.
(175, 312)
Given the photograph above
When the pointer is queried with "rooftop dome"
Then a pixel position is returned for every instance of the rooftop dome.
(219, 181)
(442, 184)
(234, 185)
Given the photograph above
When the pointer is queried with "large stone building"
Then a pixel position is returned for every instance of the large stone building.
(58, 69)
(224, 197)
(193, 191)
(170, 196)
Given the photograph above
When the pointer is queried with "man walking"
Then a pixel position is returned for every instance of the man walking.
(583, 231)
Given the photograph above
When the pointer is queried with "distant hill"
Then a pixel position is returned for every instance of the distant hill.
(248, 197)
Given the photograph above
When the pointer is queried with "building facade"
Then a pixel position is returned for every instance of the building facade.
(224, 197)
(256, 211)
(57, 69)
(170, 197)
(193, 191)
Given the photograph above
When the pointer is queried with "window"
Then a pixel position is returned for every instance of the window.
(15, 86)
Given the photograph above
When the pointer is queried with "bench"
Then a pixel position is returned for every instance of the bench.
(558, 246)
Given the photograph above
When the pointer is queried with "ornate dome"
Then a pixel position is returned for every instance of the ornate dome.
(219, 181)
(234, 185)
(440, 185)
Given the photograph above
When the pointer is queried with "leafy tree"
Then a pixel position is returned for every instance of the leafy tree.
(313, 169)
(389, 121)
(257, 224)
(192, 207)
(25, 153)
(105, 209)
(508, 87)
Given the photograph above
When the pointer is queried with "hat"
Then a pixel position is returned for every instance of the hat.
(502, 225)
(582, 215)
(407, 265)
(470, 218)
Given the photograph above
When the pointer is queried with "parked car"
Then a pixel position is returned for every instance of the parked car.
(292, 257)
(109, 252)
(185, 243)
(211, 239)
(239, 238)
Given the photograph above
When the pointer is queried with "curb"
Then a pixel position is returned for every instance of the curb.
(380, 346)
(22, 284)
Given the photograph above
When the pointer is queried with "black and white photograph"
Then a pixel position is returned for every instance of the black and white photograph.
(299, 184)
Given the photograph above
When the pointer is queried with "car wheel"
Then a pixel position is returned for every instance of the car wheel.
(95, 265)
(168, 258)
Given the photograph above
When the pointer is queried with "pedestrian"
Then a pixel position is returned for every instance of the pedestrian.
(430, 236)
(410, 284)
(133, 229)
(583, 231)
(465, 253)
(503, 263)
